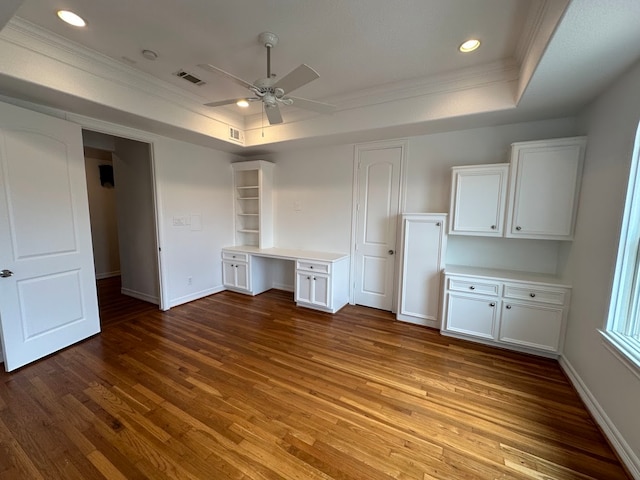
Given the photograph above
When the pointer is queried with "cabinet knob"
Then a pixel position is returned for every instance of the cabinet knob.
(311, 267)
(493, 227)
(472, 287)
(233, 256)
(236, 266)
(532, 295)
(438, 224)
(508, 307)
(391, 252)
(308, 278)
(492, 304)
(518, 228)
(314, 278)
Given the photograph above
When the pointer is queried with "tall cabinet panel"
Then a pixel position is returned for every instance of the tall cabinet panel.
(253, 203)
(422, 259)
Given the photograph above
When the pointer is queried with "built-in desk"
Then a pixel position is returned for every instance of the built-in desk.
(321, 278)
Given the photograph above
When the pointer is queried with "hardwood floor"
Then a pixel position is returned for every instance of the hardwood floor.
(254, 388)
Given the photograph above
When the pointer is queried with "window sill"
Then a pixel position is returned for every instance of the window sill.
(628, 352)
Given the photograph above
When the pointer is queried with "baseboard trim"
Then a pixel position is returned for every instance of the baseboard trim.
(283, 286)
(195, 296)
(619, 444)
(140, 296)
(100, 276)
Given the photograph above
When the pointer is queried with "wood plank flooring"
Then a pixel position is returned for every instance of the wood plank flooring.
(234, 387)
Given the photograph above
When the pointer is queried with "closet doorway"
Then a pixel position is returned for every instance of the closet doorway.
(122, 209)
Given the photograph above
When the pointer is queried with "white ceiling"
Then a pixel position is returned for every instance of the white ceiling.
(362, 49)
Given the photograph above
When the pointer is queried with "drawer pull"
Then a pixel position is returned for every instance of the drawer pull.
(472, 287)
(492, 304)
(508, 307)
(532, 295)
(493, 227)
(518, 228)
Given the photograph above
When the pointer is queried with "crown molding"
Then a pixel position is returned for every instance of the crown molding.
(502, 72)
(43, 42)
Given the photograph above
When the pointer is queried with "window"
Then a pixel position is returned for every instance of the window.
(623, 325)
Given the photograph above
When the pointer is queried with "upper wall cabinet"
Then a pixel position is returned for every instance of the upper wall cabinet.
(544, 187)
(253, 215)
(541, 199)
(478, 199)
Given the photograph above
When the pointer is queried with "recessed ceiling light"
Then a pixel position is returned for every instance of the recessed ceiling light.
(71, 18)
(469, 45)
(149, 54)
(242, 103)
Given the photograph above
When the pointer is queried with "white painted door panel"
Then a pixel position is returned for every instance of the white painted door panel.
(475, 316)
(377, 212)
(50, 302)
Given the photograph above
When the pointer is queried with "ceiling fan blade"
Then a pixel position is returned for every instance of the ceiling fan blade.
(230, 76)
(296, 78)
(312, 105)
(229, 101)
(273, 114)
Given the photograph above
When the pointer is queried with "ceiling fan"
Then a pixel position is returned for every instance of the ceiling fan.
(273, 92)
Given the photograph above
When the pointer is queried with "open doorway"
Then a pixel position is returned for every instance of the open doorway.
(120, 190)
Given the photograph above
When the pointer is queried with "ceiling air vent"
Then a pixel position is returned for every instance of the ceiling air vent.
(236, 135)
(190, 77)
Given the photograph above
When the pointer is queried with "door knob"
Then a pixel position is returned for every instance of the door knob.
(391, 252)
(6, 273)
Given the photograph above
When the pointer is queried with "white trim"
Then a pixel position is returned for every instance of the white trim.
(619, 444)
(283, 286)
(139, 295)
(103, 275)
(622, 350)
(195, 296)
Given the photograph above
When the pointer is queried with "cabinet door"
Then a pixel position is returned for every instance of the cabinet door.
(242, 276)
(530, 325)
(320, 288)
(422, 261)
(303, 287)
(544, 185)
(478, 199)
(229, 274)
(476, 316)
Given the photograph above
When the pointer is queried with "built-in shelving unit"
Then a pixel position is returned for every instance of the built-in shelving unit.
(253, 203)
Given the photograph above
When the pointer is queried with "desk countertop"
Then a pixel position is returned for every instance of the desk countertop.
(288, 253)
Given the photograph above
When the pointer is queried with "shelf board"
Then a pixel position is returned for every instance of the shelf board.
(248, 231)
(247, 187)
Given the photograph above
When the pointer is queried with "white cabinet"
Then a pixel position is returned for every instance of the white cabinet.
(541, 198)
(312, 289)
(322, 285)
(544, 188)
(525, 312)
(235, 272)
(253, 204)
(478, 199)
(321, 278)
(473, 315)
(421, 260)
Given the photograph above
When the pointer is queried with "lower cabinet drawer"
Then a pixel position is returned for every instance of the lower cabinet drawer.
(236, 256)
(471, 286)
(535, 294)
(317, 267)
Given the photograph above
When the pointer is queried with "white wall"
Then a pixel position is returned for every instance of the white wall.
(320, 181)
(104, 222)
(136, 220)
(611, 124)
(193, 183)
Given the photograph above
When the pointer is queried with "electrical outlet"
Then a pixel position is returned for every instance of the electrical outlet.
(189, 280)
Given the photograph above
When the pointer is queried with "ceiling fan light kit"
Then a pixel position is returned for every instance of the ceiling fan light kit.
(270, 91)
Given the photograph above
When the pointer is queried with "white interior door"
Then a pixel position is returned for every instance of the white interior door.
(49, 302)
(377, 208)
